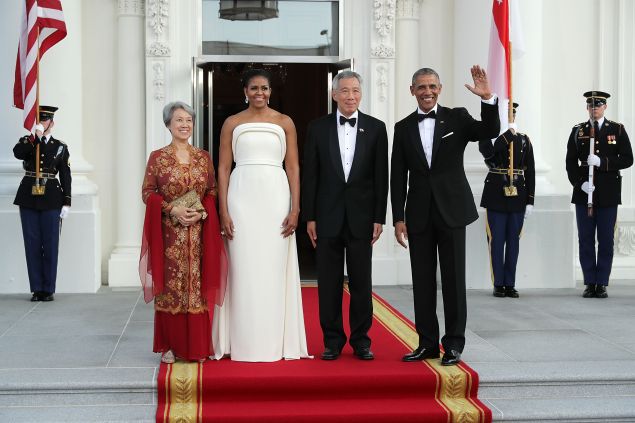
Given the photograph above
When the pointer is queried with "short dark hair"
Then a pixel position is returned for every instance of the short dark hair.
(425, 71)
(252, 73)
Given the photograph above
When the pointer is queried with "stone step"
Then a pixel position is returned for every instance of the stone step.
(583, 391)
(78, 395)
(563, 410)
(129, 413)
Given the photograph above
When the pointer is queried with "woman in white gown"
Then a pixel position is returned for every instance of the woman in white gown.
(261, 318)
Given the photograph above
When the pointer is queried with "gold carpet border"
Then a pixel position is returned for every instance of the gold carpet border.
(168, 400)
(453, 382)
(185, 393)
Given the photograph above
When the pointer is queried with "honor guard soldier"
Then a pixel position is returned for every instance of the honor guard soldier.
(44, 200)
(596, 152)
(508, 197)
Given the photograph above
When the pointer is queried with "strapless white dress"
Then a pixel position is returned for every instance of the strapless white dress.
(261, 318)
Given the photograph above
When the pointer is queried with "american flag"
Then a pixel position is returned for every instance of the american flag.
(43, 17)
(505, 28)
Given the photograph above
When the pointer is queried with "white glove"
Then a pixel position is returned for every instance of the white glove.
(593, 160)
(586, 187)
(513, 128)
(528, 209)
(65, 211)
(39, 130)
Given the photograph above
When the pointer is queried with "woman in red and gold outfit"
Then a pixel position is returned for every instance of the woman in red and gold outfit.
(182, 264)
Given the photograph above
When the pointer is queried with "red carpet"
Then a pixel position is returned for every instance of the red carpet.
(347, 390)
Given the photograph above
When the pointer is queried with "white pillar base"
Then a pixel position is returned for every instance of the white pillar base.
(79, 263)
(547, 251)
(623, 270)
(123, 267)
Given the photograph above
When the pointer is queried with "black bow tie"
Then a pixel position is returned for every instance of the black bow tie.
(431, 115)
(351, 121)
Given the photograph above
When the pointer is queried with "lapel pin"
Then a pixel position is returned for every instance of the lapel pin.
(361, 129)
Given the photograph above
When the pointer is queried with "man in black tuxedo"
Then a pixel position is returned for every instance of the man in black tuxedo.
(344, 195)
(427, 171)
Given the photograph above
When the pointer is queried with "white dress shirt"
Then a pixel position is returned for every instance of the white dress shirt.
(426, 132)
(347, 137)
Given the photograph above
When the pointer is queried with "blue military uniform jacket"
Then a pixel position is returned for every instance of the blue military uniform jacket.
(614, 149)
(54, 159)
(497, 159)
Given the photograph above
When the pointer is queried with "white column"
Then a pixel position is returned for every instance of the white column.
(379, 98)
(622, 109)
(406, 32)
(527, 75)
(13, 277)
(397, 66)
(130, 143)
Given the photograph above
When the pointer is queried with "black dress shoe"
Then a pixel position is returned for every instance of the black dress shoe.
(600, 291)
(499, 291)
(364, 353)
(589, 291)
(511, 292)
(36, 296)
(451, 358)
(46, 297)
(330, 354)
(421, 353)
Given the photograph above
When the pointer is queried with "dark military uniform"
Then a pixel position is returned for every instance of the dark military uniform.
(614, 149)
(505, 214)
(40, 214)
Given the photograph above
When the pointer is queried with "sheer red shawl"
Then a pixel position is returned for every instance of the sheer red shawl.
(213, 262)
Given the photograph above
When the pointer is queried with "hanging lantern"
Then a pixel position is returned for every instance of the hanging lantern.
(248, 10)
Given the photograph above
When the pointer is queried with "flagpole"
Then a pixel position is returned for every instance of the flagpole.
(510, 108)
(592, 136)
(510, 191)
(37, 189)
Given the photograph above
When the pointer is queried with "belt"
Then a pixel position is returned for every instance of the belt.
(31, 174)
(501, 171)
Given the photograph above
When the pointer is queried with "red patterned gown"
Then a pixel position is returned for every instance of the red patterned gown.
(181, 319)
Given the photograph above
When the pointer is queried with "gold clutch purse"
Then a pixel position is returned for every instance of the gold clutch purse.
(189, 199)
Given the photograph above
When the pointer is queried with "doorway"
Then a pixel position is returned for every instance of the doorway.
(299, 90)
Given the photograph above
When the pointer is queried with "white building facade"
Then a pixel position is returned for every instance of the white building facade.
(123, 60)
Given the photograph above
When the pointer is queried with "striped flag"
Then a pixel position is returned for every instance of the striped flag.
(504, 12)
(46, 18)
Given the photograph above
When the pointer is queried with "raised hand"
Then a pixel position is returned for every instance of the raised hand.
(481, 83)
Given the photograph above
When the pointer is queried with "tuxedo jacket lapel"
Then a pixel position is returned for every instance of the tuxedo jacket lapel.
(440, 128)
(361, 144)
(415, 137)
(334, 147)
